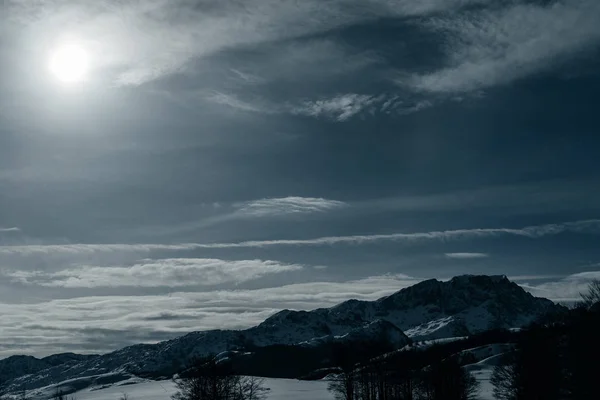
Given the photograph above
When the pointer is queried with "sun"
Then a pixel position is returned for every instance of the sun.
(69, 64)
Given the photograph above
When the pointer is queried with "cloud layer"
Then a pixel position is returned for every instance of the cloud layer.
(104, 323)
(173, 272)
(567, 289)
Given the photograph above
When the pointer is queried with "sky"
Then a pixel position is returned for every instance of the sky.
(202, 164)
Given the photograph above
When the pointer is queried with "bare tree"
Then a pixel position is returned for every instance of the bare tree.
(592, 296)
(209, 379)
(343, 385)
(251, 388)
(504, 379)
(124, 396)
(60, 395)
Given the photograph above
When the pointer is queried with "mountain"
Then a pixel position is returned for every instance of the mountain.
(428, 310)
(17, 366)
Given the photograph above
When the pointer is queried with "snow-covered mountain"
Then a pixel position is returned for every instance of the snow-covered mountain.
(428, 310)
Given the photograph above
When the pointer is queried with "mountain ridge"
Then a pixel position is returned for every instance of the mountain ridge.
(430, 309)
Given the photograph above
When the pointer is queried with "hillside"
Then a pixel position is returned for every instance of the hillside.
(428, 310)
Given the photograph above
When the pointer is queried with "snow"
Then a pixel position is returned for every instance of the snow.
(479, 354)
(437, 328)
(482, 370)
(280, 389)
(485, 387)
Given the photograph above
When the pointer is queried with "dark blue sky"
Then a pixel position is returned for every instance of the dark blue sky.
(218, 161)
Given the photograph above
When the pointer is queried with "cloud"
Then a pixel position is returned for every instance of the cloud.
(114, 321)
(172, 272)
(262, 208)
(247, 77)
(403, 109)
(12, 229)
(140, 41)
(519, 278)
(145, 40)
(568, 289)
(591, 227)
(496, 46)
(287, 206)
(233, 101)
(466, 256)
(339, 108)
(342, 107)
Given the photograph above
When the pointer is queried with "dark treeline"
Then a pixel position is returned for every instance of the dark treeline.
(555, 359)
(415, 377)
(419, 373)
(429, 373)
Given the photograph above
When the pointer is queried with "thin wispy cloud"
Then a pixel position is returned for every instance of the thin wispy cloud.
(339, 108)
(233, 101)
(262, 208)
(466, 256)
(491, 47)
(287, 206)
(589, 227)
(172, 272)
(7, 230)
(247, 77)
(342, 108)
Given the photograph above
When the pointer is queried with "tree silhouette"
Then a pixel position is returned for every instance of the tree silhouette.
(447, 380)
(592, 296)
(209, 379)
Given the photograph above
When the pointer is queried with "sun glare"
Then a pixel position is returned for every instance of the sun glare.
(69, 64)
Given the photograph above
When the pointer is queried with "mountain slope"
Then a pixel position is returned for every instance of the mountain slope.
(16, 366)
(430, 309)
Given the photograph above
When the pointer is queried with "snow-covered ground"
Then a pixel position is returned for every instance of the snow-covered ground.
(485, 387)
(280, 389)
